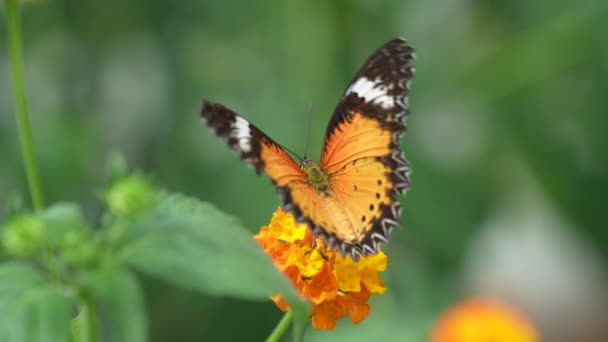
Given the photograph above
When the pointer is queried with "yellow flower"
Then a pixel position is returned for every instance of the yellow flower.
(351, 274)
(283, 227)
(348, 275)
(481, 320)
(372, 281)
(336, 286)
(308, 261)
(376, 262)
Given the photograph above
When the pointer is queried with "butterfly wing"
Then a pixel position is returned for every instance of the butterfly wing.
(361, 152)
(260, 151)
(252, 145)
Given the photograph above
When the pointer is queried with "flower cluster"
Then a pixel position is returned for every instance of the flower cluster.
(337, 286)
(483, 319)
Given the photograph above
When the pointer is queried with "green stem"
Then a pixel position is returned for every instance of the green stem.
(279, 330)
(89, 326)
(13, 28)
(23, 123)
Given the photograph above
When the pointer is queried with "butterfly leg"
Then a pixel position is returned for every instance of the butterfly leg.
(313, 245)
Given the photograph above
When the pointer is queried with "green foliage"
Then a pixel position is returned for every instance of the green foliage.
(31, 309)
(180, 240)
(123, 297)
(130, 196)
(194, 245)
(119, 293)
(24, 235)
(65, 221)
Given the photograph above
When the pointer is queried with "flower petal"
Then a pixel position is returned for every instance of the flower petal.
(348, 276)
(308, 261)
(325, 315)
(372, 281)
(322, 287)
(280, 302)
(284, 227)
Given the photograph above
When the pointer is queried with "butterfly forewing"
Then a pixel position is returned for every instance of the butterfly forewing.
(252, 145)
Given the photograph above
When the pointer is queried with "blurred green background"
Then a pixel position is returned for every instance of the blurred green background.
(507, 137)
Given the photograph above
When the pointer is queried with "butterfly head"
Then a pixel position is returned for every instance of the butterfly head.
(315, 175)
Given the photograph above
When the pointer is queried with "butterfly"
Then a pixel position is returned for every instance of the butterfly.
(349, 198)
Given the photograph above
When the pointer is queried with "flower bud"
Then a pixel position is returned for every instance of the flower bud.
(24, 235)
(130, 196)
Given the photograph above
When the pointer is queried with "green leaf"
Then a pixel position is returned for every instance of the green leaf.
(16, 279)
(196, 246)
(30, 309)
(123, 304)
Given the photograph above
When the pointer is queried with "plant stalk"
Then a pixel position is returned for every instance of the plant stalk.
(23, 124)
(89, 331)
(281, 327)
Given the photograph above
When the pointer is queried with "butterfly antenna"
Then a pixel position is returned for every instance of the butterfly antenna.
(310, 109)
(292, 152)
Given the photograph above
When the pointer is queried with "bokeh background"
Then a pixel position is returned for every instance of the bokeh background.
(507, 137)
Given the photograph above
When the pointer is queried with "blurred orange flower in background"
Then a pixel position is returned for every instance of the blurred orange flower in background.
(335, 285)
(482, 320)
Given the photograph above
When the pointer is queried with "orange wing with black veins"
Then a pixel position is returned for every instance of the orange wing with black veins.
(258, 150)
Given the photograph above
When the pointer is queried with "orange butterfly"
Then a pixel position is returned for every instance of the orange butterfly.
(348, 199)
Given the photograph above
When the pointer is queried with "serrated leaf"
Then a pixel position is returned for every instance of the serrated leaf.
(194, 245)
(31, 309)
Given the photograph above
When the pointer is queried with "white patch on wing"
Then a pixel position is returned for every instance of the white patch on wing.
(372, 91)
(242, 133)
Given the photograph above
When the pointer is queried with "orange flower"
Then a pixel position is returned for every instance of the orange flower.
(320, 288)
(483, 319)
(336, 286)
(356, 305)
